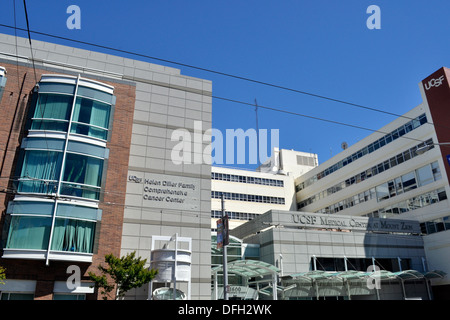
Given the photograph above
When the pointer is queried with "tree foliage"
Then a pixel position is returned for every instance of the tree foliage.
(2, 275)
(127, 272)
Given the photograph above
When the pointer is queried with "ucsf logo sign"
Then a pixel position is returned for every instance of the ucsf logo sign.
(434, 83)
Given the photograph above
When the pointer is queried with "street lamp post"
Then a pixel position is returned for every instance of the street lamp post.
(224, 251)
(427, 147)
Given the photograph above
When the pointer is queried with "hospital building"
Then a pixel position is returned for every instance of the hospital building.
(87, 144)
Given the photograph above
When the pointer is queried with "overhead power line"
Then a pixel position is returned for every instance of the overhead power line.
(236, 77)
(211, 71)
(310, 117)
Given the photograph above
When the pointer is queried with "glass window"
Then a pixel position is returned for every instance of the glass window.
(406, 155)
(398, 185)
(73, 235)
(414, 203)
(39, 172)
(85, 173)
(30, 207)
(49, 125)
(29, 233)
(423, 228)
(83, 169)
(392, 190)
(436, 171)
(2, 81)
(53, 106)
(395, 209)
(91, 118)
(431, 228)
(78, 212)
(439, 225)
(409, 181)
(424, 175)
(382, 192)
(447, 222)
(16, 296)
(402, 207)
(52, 112)
(393, 162)
(60, 296)
(442, 195)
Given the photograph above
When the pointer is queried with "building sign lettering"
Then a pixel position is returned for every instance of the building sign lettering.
(434, 83)
(356, 223)
(164, 191)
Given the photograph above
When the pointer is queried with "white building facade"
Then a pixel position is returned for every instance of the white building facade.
(251, 193)
(400, 172)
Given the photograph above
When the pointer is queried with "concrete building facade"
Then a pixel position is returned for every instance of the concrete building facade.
(401, 171)
(87, 166)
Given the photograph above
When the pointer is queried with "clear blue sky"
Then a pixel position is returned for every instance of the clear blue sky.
(322, 47)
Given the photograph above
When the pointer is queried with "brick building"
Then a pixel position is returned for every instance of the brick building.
(75, 126)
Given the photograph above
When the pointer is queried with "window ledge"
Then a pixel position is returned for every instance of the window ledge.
(41, 255)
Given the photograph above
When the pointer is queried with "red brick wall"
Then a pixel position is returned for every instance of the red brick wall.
(437, 91)
(109, 236)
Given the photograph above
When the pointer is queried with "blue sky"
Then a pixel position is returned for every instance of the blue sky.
(322, 47)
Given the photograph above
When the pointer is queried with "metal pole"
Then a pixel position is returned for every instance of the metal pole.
(274, 286)
(428, 289)
(150, 290)
(224, 257)
(175, 268)
(215, 286)
(61, 172)
(403, 289)
(348, 290)
(281, 264)
(376, 286)
(257, 134)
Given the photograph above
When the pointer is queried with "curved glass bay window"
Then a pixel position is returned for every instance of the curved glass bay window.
(82, 176)
(52, 112)
(40, 171)
(2, 81)
(31, 226)
(61, 170)
(91, 118)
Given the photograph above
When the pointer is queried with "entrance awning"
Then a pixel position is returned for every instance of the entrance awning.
(251, 269)
(353, 281)
(319, 275)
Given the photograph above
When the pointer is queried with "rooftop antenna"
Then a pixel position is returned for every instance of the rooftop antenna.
(257, 134)
(280, 165)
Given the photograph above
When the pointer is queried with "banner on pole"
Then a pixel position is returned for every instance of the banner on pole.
(222, 232)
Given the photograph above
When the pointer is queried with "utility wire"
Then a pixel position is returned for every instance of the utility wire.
(310, 117)
(211, 71)
(29, 38)
(228, 75)
(237, 77)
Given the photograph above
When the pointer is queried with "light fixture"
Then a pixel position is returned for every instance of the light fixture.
(424, 149)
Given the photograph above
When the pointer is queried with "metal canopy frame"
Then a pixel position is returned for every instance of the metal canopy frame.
(259, 269)
(251, 269)
(317, 276)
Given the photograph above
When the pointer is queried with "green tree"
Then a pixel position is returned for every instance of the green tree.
(126, 273)
(2, 275)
